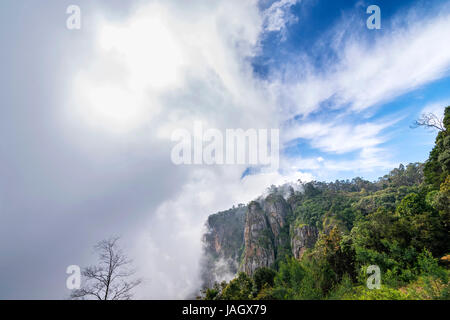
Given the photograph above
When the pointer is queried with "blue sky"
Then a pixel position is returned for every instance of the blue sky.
(86, 118)
(309, 34)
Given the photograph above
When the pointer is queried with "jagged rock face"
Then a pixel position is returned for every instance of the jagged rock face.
(222, 244)
(246, 238)
(263, 232)
(258, 237)
(277, 210)
(302, 238)
(225, 232)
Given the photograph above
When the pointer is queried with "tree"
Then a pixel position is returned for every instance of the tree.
(430, 120)
(263, 276)
(214, 293)
(443, 204)
(240, 288)
(437, 167)
(110, 279)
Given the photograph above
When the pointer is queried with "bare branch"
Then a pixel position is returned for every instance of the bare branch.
(429, 120)
(109, 280)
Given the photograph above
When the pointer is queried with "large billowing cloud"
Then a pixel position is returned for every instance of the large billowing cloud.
(164, 67)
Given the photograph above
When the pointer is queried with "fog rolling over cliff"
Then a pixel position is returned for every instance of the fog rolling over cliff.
(247, 237)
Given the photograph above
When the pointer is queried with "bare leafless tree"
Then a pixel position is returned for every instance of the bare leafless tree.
(430, 120)
(111, 279)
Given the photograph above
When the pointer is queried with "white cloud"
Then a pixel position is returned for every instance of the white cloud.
(436, 108)
(170, 64)
(339, 138)
(162, 68)
(150, 69)
(368, 160)
(362, 74)
(278, 15)
(365, 72)
(170, 248)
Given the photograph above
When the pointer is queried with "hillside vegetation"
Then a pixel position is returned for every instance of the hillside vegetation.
(317, 243)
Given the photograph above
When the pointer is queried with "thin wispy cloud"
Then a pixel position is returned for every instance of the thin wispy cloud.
(278, 16)
(365, 72)
(361, 74)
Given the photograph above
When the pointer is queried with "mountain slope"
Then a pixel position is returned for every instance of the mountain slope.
(320, 239)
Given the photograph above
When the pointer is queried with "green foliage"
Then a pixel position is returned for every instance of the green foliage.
(296, 281)
(400, 223)
(310, 211)
(429, 265)
(240, 288)
(437, 167)
(233, 219)
(263, 277)
(213, 293)
(411, 205)
(442, 204)
(343, 289)
(385, 293)
(266, 293)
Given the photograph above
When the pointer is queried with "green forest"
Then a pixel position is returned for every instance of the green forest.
(399, 223)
